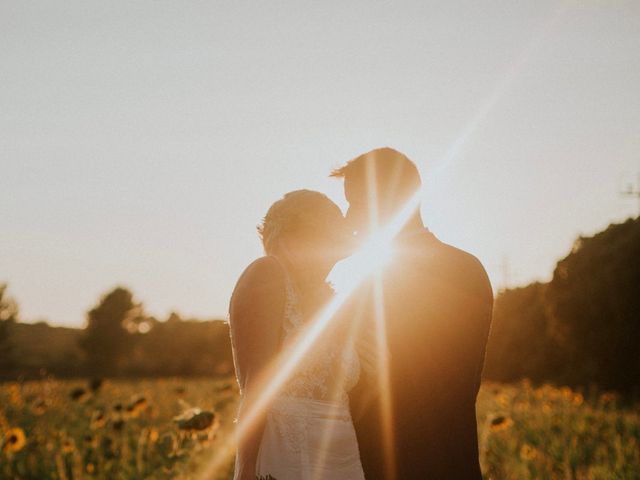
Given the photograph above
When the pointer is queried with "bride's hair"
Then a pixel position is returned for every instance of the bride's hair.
(301, 212)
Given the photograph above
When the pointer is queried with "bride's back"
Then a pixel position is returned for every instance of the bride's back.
(330, 366)
(306, 429)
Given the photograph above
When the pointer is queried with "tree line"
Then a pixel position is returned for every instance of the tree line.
(581, 328)
(119, 339)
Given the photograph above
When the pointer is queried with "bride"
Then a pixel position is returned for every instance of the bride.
(306, 431)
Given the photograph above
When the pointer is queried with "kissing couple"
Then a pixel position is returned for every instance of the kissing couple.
(378, 381)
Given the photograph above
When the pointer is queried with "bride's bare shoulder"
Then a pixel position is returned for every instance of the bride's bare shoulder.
(264, 276)
(265, 268)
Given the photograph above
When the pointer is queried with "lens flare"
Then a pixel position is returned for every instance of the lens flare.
(374, 255)
(370, 258)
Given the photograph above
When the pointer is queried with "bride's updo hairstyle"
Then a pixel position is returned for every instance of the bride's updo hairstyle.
(306, 215)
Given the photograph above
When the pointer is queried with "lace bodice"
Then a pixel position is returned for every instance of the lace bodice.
(329, 369)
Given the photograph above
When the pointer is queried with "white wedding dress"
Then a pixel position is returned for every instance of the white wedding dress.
(309, 434)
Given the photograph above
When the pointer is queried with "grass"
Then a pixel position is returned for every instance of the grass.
(168, 428)
(556, 433)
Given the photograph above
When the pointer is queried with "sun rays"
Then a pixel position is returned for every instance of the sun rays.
(369, 259)
(514, 69)
(367, 263)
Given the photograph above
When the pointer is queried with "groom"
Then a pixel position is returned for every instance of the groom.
(437, 304)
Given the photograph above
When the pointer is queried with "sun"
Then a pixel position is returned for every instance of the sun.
(347, 276)
(375, 253)
(372, 257)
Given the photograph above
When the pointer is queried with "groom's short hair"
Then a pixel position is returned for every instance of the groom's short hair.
(396, 177)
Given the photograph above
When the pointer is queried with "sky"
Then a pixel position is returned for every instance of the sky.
(142, 142)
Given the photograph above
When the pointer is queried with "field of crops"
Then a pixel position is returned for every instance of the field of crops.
(170, 429)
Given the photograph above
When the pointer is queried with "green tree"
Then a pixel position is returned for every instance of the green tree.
(106, 339)
(181, 347)
(520, 345)
(594, 303)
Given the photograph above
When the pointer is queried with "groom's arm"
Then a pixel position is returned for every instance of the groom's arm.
(462, 311)
(454, 361)
(475, 309)
(482, 298)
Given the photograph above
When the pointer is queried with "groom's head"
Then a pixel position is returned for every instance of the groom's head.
(378, 182)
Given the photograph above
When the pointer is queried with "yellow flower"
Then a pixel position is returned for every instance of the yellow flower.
(578, 399)
(90, 441)
(500, 423)
(608, 397)
(136, 406)
(153, 435)
(503, 400)
(14, 440)
(79, 395)
(39, 407)
(15, 395)
(527, 452)
(98, 419)
(195, 419)
(68, 445)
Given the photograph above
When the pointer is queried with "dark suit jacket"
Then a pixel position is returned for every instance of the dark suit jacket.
(438, 305)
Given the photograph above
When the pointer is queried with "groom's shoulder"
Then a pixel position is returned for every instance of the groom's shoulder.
(463, 263)
(443, 250)
(464, 258)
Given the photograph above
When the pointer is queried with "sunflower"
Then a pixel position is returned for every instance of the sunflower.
(79, 395)
(14, 440)
(136, 406)
(68, 445)
(95, 384)
(39, 407)
(153, 435)
(117, 424)
(195, 419)
(15, 395)
(98, 419)
(608, 398)
(500, 423)
(527, 452)
(90, 441)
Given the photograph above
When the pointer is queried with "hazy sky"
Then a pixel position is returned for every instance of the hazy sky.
(141, 142)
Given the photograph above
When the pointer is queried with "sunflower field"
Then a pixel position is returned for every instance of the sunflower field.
(173, 428)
